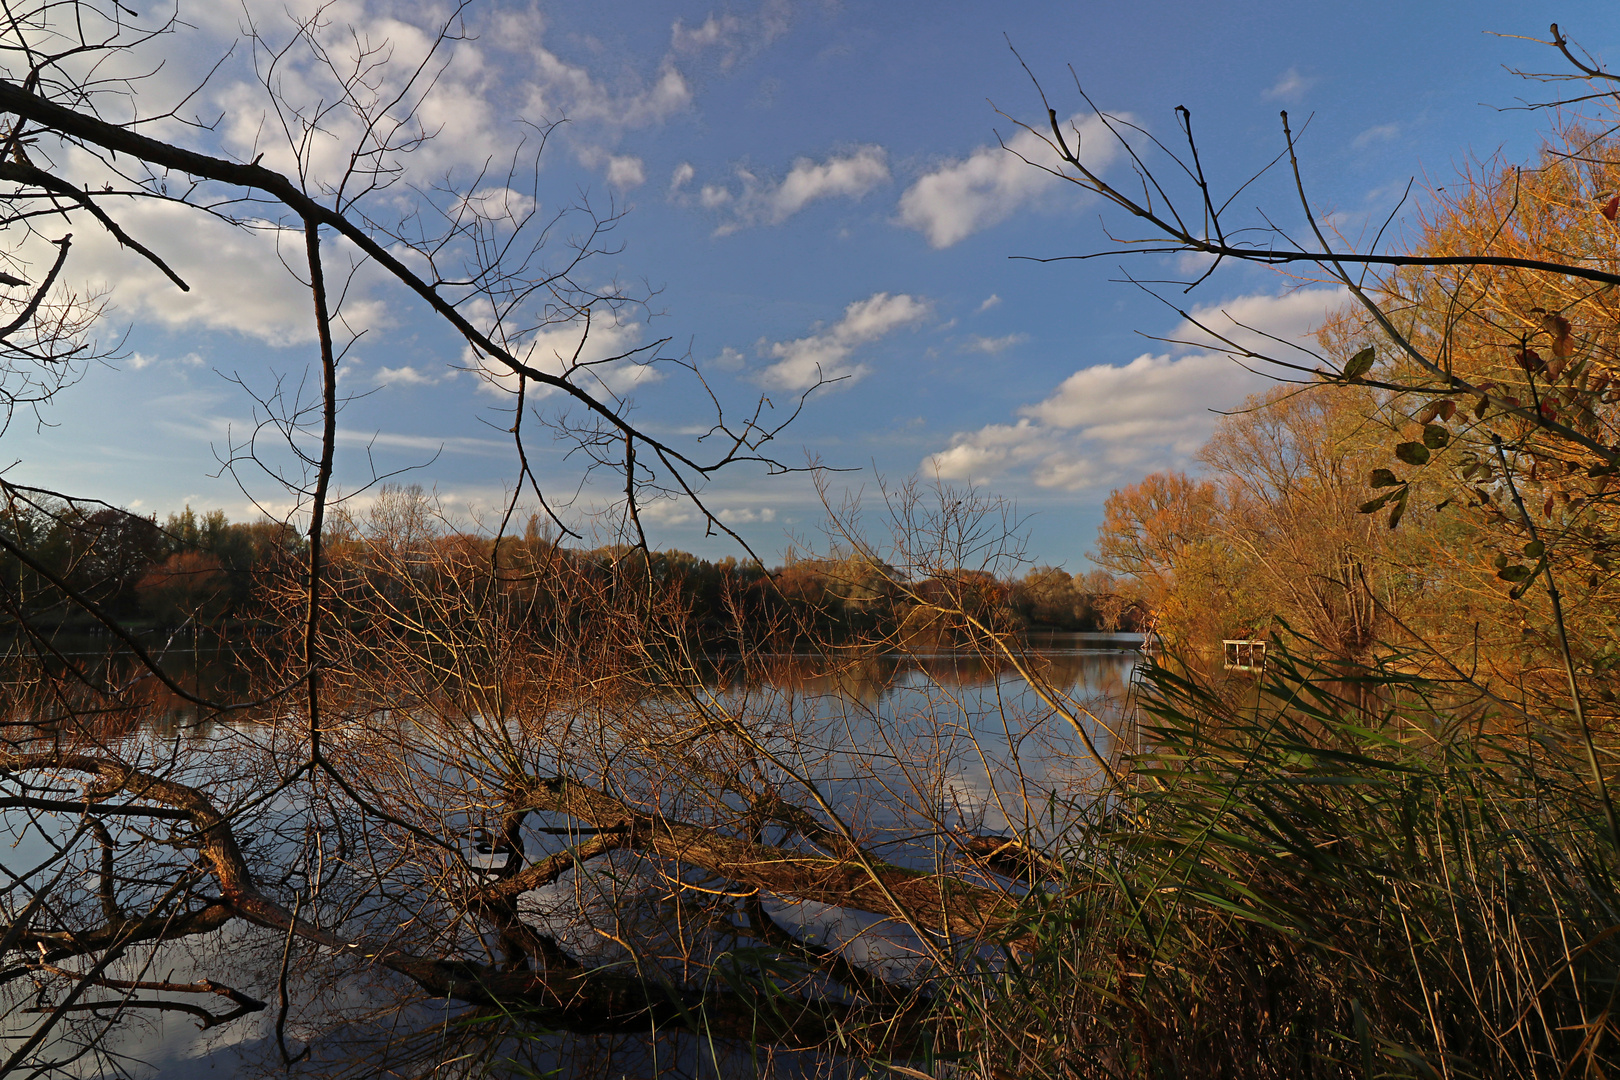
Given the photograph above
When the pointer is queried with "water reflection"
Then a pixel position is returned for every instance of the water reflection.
(869, 677)
(913, 744)
(914, 752)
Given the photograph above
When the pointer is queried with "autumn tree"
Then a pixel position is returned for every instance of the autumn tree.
(1490, 336)
(1161, 537)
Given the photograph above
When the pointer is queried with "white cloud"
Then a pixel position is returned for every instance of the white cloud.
(141, 361)
(732, 36)
(989, 302)
(496, 202)
(1192, 264)
(559, 88)
(237, 278)
(1290, 86)
(469, 90)
(821, 357)
(992, 450)
(625, 172)
(460, 109)
(600, 362)
(994, 345)
(747, 516)
(667, 512)
(1247, 320)
(1108, 423)
(681, 176)
(1379, 133)
(771, 202)
(462, 112)
(404, 375)
(714, 30)
(962, 197)
(428, 444)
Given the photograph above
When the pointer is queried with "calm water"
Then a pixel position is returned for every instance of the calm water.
(907, 750)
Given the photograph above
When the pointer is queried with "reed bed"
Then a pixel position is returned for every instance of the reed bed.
(1330, 872)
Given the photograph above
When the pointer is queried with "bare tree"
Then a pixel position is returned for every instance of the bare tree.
(482, 774)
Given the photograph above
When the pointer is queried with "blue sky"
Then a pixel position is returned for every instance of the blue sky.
(802, 185)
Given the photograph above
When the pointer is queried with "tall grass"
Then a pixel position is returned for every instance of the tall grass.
(1334, 873)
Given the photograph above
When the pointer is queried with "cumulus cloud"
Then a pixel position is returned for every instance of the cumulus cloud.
(223, 264)
(459, 114)
(1108, 423)
(766, 201)
(745, 515)
(962, 197)
(599, 360)
(404, 375)
(1246, 321)
(625, 172)
(498, 201)
(681, 177)
(460, 96)
(989, 302)
(827, 355)
(668, 512)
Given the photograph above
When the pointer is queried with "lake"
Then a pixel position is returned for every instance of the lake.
(912, 752)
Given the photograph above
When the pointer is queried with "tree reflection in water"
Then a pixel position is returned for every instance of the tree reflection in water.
(922, 756)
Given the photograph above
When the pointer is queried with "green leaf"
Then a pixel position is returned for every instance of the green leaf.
(1413, 453)
(1435, 436)
(1382, 478)
(1514, 573)
(1376, 504)
(1400, 507)
(1360, 364)
(1533, 549)
(1500, 562)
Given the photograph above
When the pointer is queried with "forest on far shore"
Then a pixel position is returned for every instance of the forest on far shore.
(206, 571)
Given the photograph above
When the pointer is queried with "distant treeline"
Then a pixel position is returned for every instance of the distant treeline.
(207, 571)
